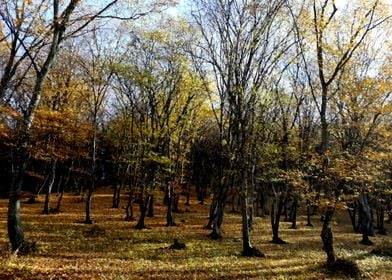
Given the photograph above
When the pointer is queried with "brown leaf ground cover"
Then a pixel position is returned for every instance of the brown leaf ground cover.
(112, 249)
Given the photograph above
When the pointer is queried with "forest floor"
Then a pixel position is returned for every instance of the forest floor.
(112, 249)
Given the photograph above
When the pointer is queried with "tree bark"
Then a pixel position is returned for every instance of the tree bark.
(327, 236)
(380, 219)
(352, 211)
(150, 207)
(276, 212)
(15, 232)
(293, 214)
(49, 188)
(365, 219)
(116, 196)
(88, 206)
(169, 215)
(212, 211)
(143, 205)
(219, 213)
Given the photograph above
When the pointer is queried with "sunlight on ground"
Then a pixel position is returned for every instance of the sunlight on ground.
(113, 249)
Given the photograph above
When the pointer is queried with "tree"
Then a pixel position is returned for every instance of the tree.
(237, 49)
(332, 53)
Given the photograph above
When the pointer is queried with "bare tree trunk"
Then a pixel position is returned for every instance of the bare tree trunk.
(129, 209)
(169, 215)
(213, 208)
(116, 196)
(380, 218)
(150, 207)
(15, 231)
(276, 212)
(352, 211)
(365, 219)
(58, 206)
(88, 206)
(188, 193)
(293, 214)
(219, 213)
(327, 236)
(49, 188)
(143, 205)
(247, 249)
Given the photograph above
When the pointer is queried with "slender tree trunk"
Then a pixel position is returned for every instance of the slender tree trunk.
(327, 236)
(169, 215)
(129, 208)
(116, 196)
(213, 208)
(49, 188)
(62, 188)
(15, 231)
(251, 215)
(285, 211)
(143, 205)
(309, 213)
(352, 212)
(380, 215)
(219, 213)
(276, 212)
(365, 219)
(88, 206)
(150, 207)
(116, 189)
(247, 249)
(58, 206)
(59, 184)
(293, 215)
(188, 193)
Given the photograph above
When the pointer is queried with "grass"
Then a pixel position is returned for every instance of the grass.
(112, 249)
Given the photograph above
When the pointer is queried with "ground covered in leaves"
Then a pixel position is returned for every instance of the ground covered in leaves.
(112, 249)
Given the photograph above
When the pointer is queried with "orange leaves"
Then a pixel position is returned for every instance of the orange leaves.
(7, 117)
(6, 111)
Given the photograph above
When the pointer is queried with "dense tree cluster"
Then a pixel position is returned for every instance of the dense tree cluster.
(265, 105)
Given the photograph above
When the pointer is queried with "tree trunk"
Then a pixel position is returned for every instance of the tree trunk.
(213, 208)
(169, 215)
(49, 188)
(276, 212)
(129, 209)
(140, 224)
(365, 219)
(219, 213)
(150, 207)
(327, 236)
(352, 212)
(15, 232)
(62, 187)
(188, 193)
(309, 214)
(250, 220)
(116, 196)
(380, 219)
(58, 206)
(293, 214)
(88, 206)
(247, 249)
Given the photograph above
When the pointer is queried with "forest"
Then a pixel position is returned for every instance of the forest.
(204, 139)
